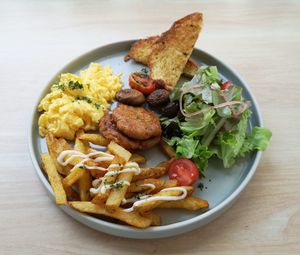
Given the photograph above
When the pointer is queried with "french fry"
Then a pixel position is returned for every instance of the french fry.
(84, 185)
(118, 193)
(72, 195)
(85, 181)
(55, 147)
(139, 186)
(155, 218)
(166, 163)
(97, 174)
(189, 203)
(166, 184)
(94, 138)
(150, 172)
(73, 176)
(119, 151)
(150, 205)
(131, 218)
(167, 149)
(93, 150)
(77, 160)
(140, 159)
(81, 145)
(102, 197)
(54, 178)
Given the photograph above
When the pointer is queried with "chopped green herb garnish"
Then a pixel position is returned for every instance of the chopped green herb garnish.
(81, 167)
(200, 186)
(75, 85)
(84, 98)
(144, 70)
(117, 185)
(59, 86)
(137, 196)
(97, 105)
(108, 182)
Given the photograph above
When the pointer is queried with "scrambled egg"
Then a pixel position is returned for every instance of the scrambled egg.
(78, 102)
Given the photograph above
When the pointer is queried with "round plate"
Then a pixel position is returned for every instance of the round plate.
(221, 187)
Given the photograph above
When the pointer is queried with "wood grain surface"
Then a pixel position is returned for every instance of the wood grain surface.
(259, 39)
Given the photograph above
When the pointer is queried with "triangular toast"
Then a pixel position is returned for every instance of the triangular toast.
(173, 49)
(141, 50)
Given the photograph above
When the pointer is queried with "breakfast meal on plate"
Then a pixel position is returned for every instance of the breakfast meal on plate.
(96, 130)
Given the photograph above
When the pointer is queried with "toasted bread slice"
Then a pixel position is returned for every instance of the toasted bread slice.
(141, 50)
(190, 68)
(173, 49)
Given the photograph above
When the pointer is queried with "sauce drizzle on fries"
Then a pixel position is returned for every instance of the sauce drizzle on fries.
(128, 168)
(149, 198)
(120, 189)
(152, 186)
(63, 160)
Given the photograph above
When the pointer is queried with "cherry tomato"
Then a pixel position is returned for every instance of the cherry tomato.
(226, 85)
(142, 82)
(184, 171)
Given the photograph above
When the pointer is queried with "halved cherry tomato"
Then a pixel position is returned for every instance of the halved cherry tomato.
(226, 85)
(142, 82)
(184, 171)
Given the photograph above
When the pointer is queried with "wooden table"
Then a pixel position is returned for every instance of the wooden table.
(260, 39)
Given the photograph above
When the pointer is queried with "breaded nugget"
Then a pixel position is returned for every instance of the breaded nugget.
(109, 130)
(136, 122)
(173, 49)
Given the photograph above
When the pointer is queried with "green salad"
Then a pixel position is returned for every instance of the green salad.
(212, 121)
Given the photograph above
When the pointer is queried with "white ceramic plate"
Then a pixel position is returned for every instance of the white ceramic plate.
(221, 186)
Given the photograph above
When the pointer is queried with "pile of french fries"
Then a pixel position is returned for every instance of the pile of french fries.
(73, 187)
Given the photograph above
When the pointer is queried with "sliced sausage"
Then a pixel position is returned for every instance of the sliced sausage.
(158, 97)
(131, 97)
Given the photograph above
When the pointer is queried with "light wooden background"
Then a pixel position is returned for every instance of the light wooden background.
(260, 39)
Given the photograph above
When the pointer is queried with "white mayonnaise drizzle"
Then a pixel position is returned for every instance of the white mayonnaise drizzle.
(141, 195)
(135, 198)
(159, 198)
(128, 167)
(85, 157)
(152, 186)
(108, 186)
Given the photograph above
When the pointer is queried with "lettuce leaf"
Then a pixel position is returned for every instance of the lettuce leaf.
(257, 140)
(198, 123)
(237, 142)
(231, 94)
(204, 75)
(208, 74)
(185, 147)
(230, 143)
(201, 156)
